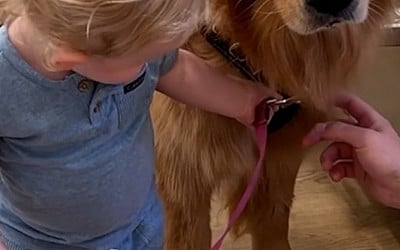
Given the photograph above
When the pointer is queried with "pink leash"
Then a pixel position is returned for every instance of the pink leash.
(260, 128)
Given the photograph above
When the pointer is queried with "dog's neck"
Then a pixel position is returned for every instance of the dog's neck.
(310, 66)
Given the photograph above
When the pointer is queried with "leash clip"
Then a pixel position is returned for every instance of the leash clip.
(274, 105)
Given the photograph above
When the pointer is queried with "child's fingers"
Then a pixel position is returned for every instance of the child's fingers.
(334, 152)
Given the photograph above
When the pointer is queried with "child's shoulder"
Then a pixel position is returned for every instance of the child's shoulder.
(16, 75)
(7, 71)
(16, 88)
(9, 63)
(8, 100)
(11, 79)
(10, 82)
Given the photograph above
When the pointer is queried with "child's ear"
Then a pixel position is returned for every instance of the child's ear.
(63, 59)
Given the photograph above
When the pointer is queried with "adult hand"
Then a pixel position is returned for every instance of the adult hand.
(367, 149)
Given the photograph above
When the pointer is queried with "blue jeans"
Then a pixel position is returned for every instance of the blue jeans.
(148, 235)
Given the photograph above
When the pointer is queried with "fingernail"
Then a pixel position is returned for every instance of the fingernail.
(336, 177)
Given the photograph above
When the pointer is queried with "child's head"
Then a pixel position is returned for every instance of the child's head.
(109, 28)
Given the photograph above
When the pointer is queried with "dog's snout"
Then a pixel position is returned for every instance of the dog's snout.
(331, 7)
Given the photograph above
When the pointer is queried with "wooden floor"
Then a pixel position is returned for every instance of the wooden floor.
(330, 216)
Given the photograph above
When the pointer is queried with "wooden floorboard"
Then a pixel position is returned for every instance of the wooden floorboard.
(330, 216)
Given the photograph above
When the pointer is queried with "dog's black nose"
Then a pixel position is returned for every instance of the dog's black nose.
(332, 7)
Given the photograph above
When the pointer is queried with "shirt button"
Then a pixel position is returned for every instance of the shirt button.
(84, 85)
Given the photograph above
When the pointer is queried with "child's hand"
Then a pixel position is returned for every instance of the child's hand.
(193, 82)
(256, 93)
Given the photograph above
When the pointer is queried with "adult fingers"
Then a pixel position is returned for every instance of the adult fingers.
(365, 114)
(335, 152)
(338, 132)
(342, 170)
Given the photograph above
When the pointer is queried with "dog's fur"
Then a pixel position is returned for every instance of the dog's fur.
(199, 153)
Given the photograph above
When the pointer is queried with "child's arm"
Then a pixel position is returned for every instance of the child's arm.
(194, 82)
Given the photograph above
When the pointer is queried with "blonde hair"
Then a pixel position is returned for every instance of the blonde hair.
(107, 27)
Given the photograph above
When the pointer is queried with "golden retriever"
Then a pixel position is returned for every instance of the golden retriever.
(302, 48)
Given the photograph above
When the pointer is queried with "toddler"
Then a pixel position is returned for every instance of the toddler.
(76, 140)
